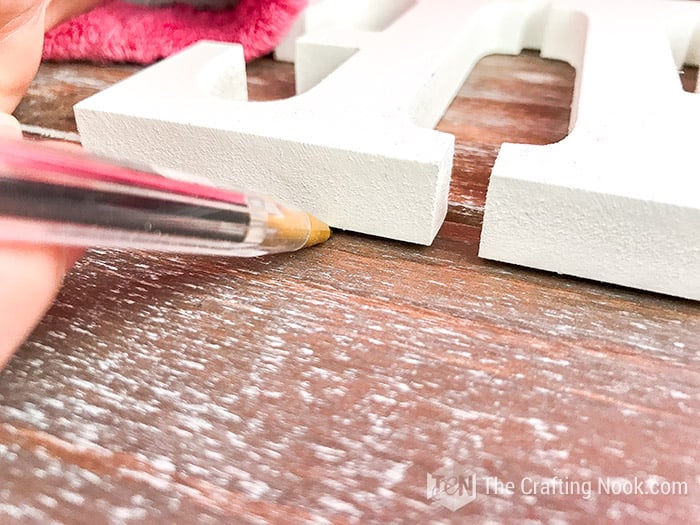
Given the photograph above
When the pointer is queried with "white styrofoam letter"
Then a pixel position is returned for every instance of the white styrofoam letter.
(618, 200)
(356, 149)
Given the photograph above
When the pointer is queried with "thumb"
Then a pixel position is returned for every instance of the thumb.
(9, 127)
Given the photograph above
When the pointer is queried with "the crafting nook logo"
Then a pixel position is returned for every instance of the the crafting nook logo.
(452, 486)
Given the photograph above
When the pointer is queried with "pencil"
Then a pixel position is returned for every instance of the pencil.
(53, 196)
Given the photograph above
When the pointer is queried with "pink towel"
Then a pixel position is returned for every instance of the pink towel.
(121, 32)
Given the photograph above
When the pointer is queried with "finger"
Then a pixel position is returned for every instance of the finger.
(30, 277)
(21, 39)
(9, 127)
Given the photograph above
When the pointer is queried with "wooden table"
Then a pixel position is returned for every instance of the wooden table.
(324, 386)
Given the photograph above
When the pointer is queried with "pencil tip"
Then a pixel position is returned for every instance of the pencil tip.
(318, 233)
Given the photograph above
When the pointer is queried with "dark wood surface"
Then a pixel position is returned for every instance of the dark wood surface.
(323, 386)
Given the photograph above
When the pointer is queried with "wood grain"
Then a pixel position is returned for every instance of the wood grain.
(323, 386)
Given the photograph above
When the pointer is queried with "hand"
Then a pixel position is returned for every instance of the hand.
(30, 275)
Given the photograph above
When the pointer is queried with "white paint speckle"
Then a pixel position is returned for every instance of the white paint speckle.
(541, 429)
(395, 474)
(71, 497)
(46, 500)
(337, 505)
(254, 488)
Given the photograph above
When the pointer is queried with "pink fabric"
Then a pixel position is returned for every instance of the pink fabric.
(121, 32)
